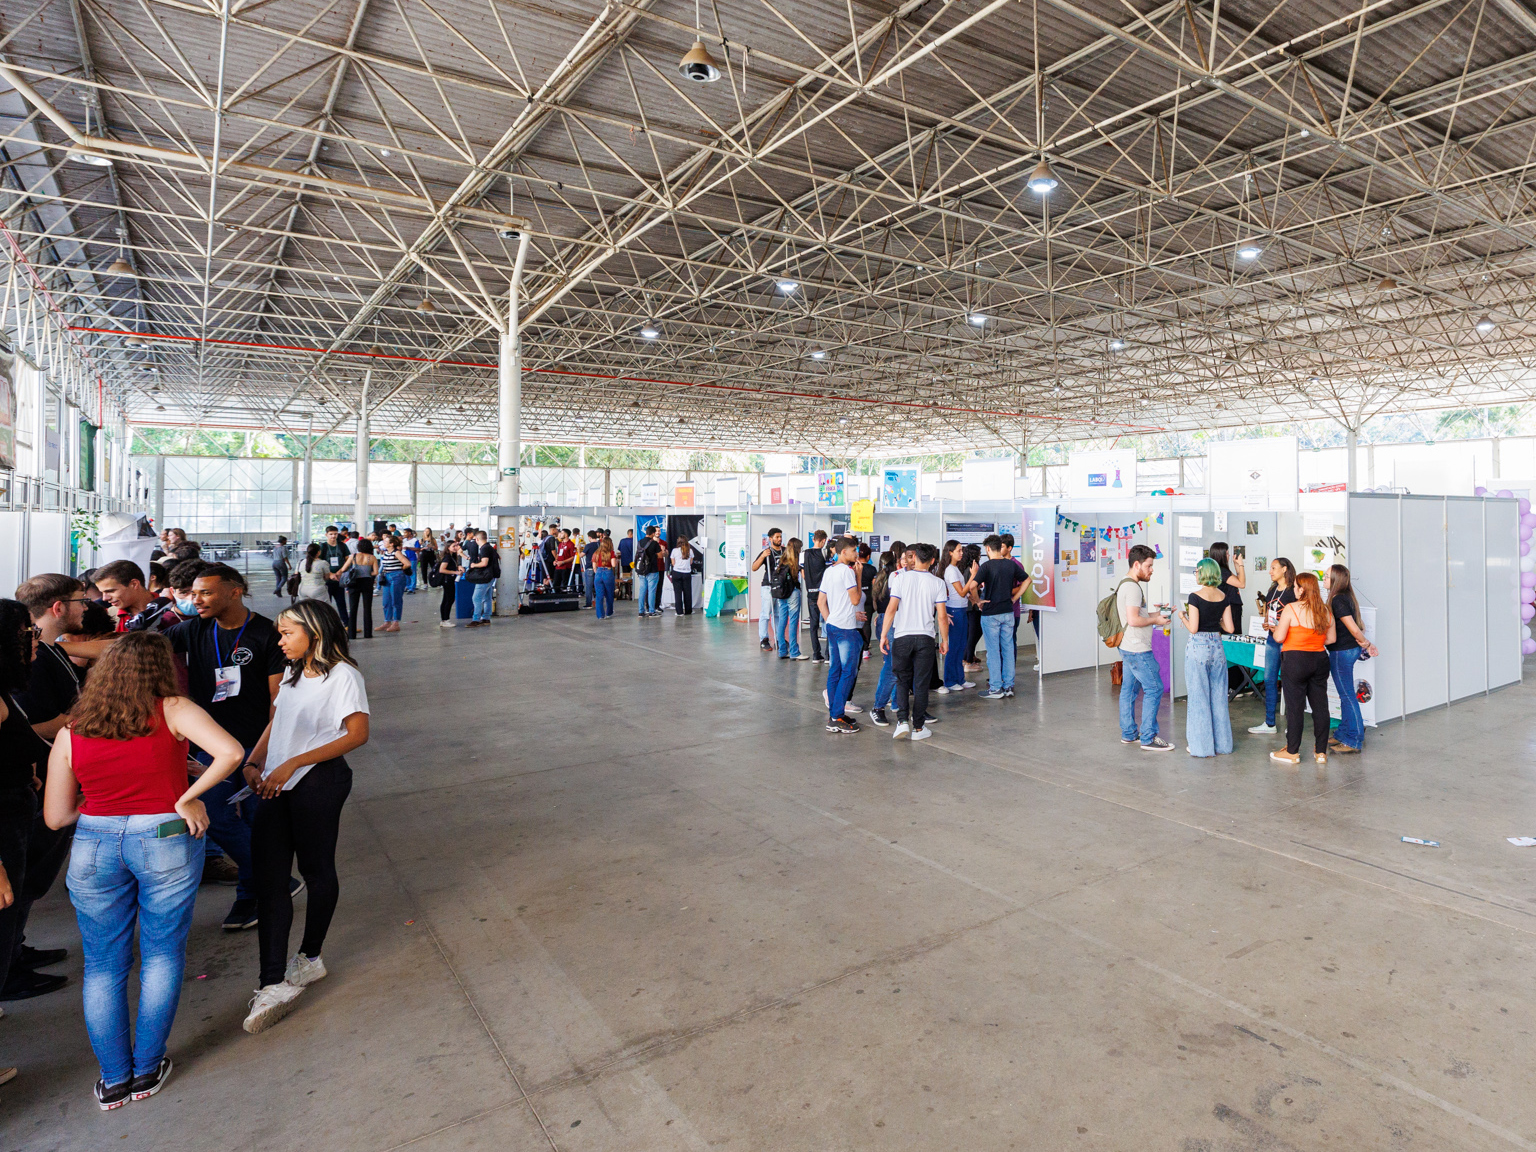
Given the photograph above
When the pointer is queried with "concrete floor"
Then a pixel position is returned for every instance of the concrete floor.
(611, 887)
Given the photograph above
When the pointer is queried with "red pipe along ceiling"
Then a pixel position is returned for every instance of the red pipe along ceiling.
(739, 389)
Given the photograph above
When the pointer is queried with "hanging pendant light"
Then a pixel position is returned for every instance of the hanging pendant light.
(698, 65)
(1042, 181)
(1386, 284)
(426, 305)
(120, 267)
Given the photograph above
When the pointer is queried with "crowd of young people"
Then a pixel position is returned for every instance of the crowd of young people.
(129, 749)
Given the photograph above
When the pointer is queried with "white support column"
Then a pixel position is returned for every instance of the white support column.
(509, 394)
(360, 511)
(306, 523)
(1351, 443)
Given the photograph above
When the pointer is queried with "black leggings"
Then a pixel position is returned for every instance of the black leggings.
(1304, 680)
(302, 822)
(973, 632)
(445, 610)
(682, 593)
(360, 590)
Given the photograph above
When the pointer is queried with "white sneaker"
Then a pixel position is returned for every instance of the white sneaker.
(446, 624)
(303, 971)
(968, 684)
(942, 691)
(921, 734)
(902, 729)
(1262, 730)
(270, 1005)
(800, 657)
(850, 706)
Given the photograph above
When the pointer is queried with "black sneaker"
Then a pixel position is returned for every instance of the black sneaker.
(42, 957)
(113, 1097)
(843, 725)
(295, 886)
(145, 1086)
(24, 984)
(242, 915)
(878, 718)
(764, 645)
(930, 719)
(1008, 693)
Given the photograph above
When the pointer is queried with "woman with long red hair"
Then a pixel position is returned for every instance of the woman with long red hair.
(118, 772)
(1304, 631)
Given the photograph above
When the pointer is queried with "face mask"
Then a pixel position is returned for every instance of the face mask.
(186, 607)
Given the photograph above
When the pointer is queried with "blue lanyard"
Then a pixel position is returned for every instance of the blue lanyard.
(218, 661)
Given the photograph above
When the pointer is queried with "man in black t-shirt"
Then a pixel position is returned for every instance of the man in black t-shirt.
(1000, 582)
(813, 563)
(768, 561)
(335, 552)
(650, 562)
(482, 570)
(234, 668)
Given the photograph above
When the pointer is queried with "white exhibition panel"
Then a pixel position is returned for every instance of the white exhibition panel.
(13, 550)
(1466, 599)
(1376, 561)
(1259, 474)
(1259, 547)
(1102, 477)
(1501, 560)
(1425, 651)
(47, 542)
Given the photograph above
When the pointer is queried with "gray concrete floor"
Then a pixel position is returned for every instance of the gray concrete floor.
(611, 887)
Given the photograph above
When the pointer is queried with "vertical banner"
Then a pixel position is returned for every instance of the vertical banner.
(1037, 550)
(10, 370)
(682, 496)
(832, 488)
(735, 545)
(898, 488)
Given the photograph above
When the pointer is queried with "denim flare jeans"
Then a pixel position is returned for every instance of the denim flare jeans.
(1341, 666)
(786, 626)
(1208, 724)
(1144, 678)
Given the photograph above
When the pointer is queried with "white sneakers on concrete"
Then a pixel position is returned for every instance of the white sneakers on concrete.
(270, 1005)
(302, 971)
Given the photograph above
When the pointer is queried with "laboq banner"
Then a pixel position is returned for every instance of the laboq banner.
(1037, 550)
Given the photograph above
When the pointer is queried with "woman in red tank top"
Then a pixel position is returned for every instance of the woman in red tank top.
(119, 773)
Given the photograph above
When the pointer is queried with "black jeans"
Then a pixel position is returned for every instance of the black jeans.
(302, 822)
(973, 632)
(18, 808)
(912, 660)
(47, 853)
(682, 593)
(1304, 680)
(813, 614)
(446, 608)
(339, 599)
(360, 592)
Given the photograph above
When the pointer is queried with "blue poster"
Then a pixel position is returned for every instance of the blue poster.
(899, 488)
(644, 522)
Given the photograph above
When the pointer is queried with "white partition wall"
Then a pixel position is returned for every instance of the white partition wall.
(1443, 576)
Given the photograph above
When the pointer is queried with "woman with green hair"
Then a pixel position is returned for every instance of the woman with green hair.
(1207, 617)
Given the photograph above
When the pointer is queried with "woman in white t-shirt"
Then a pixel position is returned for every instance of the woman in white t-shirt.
(298, 771)
(956, 602)
(682, 577)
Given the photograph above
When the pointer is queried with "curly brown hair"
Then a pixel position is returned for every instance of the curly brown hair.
(121, 697)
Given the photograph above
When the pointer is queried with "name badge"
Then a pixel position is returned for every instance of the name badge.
(226, 682)
(335, 562)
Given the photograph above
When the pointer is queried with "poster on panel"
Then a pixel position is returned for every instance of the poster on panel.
(735, 544)
(1102, 475)
(969, 531)
(862, 518)
(645, 521)
(650, 495)
(727, 491)
(1037, 550)
(832, 488)
(898, 488)
(682, 496)
(10, 369)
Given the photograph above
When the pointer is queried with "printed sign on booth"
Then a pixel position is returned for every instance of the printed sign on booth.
(1037, 550)
(682, 496)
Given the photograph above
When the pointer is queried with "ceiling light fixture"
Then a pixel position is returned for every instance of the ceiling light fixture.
(426, 305)
(843, 420)
(1386, 284)
(788, 287)
(697, 64)
(1485, 324)
(976, 320)
(1042, 181)
(1116, 344)
(819, 354)
(1250, 250)
(90, 158)
(649, 330)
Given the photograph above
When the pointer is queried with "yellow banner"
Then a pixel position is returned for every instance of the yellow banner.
(863, 517)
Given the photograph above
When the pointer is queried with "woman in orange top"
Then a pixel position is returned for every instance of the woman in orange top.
(1304, 631)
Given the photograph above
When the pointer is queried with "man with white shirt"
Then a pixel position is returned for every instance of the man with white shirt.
(917, 603)
(841, 601)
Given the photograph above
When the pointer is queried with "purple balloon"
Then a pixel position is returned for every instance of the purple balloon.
(1479, 491)
(1528, 647)
(1527, 611)
(1506, 494)
(1524, 506)
(1528, 579)
(1529, 520)
(1528, 595)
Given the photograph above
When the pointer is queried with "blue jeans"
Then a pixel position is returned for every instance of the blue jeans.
(765, 616)
(121, 875)
(410, 576)
(229, 826)
(1271, 680)
(1351, 729)
(482, 594)
(589, 579)
(954, 659)
(786, 626)
(602, 592)
(392, 591)
(648, 589)
(1208, 724)
(845, 647)
(1143, 676)
(998, 633)
(885, 686)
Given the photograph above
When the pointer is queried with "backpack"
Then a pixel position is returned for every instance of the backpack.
(784, 583)
(1111, 628)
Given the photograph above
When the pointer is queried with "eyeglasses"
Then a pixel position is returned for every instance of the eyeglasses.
(37, 633)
